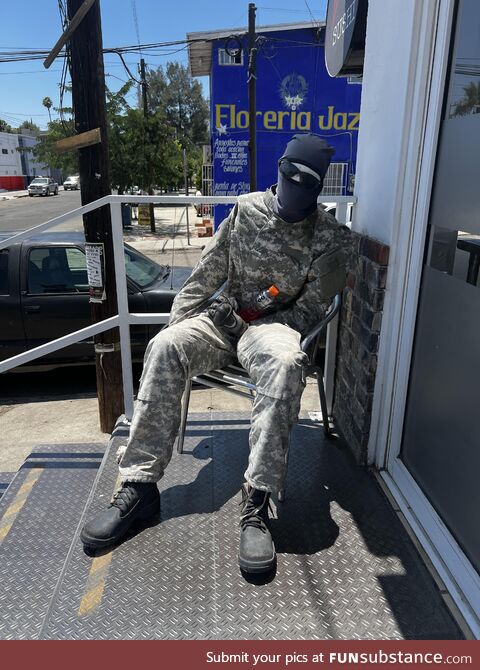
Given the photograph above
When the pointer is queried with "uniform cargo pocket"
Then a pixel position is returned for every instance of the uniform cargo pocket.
(331, 272)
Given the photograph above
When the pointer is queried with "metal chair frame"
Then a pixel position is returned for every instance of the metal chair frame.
(235, 379)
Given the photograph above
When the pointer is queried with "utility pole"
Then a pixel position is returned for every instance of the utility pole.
(145, 139)
(185, 178)
(89, 105)
(252, 97)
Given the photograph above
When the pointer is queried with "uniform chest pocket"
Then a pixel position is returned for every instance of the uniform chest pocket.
(330, 269)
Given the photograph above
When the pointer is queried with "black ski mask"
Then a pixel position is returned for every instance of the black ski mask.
(301, 171)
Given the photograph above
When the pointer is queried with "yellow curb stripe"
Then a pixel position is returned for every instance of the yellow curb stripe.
(100, 563)
(14, 508)
(96, 580)
(4, 531)
(91, 600)
(11, 513)
(26, 487)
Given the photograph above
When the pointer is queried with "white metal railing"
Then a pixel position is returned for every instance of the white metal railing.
(124, 319)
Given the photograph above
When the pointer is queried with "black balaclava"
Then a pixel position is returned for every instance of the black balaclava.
(295, 201)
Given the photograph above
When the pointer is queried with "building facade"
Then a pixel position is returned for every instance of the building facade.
(294, 93)
(18, 166)
(408, 360)
(11, 173)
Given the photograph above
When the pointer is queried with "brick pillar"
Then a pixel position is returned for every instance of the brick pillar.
(359, 330)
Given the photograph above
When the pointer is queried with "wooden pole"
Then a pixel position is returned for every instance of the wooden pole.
(146, 139)
(89, 105)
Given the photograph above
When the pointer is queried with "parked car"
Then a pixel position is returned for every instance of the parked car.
(44, 295)
(71, 183)
(43, 186)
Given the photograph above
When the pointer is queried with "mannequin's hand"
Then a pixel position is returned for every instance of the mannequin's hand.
(222, 311)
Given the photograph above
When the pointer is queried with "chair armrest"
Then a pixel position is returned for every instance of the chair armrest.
(332, 312)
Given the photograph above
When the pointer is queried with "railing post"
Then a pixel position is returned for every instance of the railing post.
(341, 213)
(123, 313)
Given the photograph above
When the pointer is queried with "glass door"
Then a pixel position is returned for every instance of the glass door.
(441, 432)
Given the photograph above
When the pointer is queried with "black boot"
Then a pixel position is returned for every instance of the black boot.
(257, 551)
(133, 502)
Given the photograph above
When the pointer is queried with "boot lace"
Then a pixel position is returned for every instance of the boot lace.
(122, 498)
(255, 516)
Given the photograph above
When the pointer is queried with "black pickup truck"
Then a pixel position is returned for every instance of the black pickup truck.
(44, 295)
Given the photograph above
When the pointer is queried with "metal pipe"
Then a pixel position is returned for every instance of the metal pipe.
(122, 302)
(59, 343)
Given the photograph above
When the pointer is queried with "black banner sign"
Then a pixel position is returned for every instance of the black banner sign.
(345, 37)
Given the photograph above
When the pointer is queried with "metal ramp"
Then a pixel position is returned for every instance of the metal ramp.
(346, 567)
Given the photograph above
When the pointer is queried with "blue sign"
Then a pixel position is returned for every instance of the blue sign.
(295, 94)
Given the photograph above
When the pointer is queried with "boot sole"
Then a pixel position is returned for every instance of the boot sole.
(257, 567)
(148, 514)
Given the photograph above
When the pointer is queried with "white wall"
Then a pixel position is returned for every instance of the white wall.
(32, 165)
(10, 162)
(387, 69)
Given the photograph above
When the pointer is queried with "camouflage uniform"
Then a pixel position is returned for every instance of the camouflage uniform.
(252, 250)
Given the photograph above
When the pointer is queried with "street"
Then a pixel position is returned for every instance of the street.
(22, 213)
(168, 245)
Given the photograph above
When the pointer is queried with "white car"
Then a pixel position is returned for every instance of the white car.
(43, 186)
(71, 183)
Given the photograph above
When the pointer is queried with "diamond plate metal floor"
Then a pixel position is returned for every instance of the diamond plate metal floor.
(39, 515)
(346, 567)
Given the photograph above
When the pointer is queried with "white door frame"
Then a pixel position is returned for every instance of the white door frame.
(427, 76)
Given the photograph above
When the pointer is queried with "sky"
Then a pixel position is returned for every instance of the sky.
(35, 24)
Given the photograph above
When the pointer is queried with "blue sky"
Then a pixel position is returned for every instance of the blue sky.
(35, 24)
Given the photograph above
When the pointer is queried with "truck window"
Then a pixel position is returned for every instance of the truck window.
(57, 270)
(4, 272)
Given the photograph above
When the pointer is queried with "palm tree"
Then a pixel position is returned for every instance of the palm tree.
(470, 103)
(47, 102)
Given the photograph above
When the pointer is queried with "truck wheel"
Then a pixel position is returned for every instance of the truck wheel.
(55, 191)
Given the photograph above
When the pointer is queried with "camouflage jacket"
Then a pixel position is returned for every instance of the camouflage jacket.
(254, 248)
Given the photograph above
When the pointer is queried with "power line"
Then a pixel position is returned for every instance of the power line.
(311, 15)
(135, 21)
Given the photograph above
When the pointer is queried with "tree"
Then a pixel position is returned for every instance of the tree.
(29, 127)
(47, 102)
(5, 127)
(45, 152)
(142, 151)
(179, 96)
(470, 103)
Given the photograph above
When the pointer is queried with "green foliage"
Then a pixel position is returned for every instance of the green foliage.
(6, 127)
(470, 103)
(47, 102)
(45, 152)
(29, 127)
(179, 96)
(144, 152)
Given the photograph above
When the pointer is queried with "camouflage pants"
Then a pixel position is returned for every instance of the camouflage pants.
(272, 356)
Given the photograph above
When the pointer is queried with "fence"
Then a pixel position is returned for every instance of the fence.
(124, 319)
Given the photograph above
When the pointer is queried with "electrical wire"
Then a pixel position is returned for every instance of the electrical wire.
(11, 56)
(135, 21)
(317, 23)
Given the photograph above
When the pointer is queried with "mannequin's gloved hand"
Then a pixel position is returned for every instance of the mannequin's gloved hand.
(223, 313)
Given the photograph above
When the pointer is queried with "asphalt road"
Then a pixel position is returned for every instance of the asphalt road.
(22, 213)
